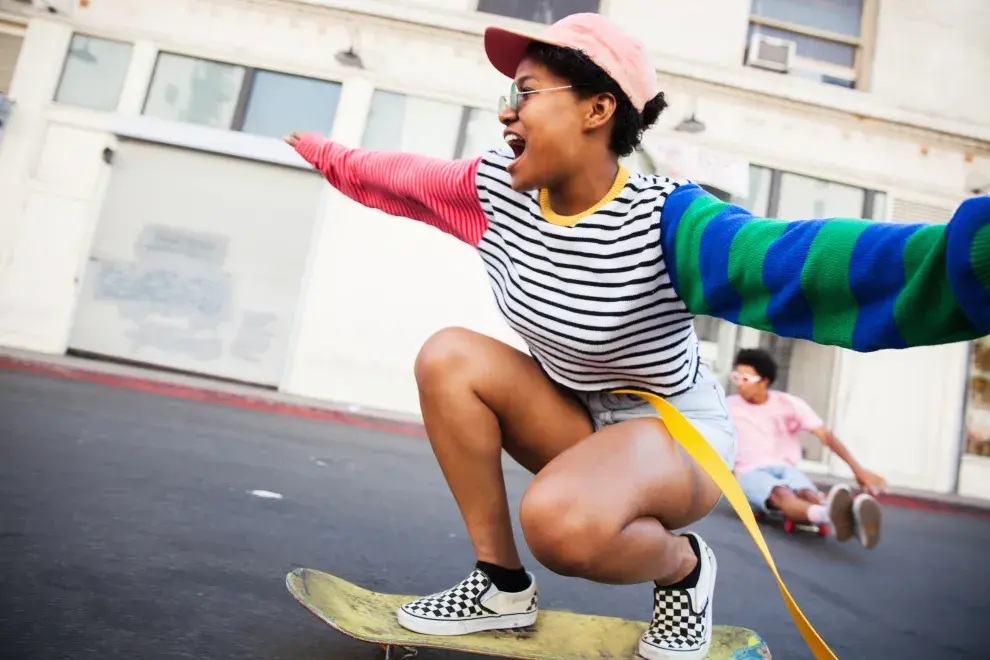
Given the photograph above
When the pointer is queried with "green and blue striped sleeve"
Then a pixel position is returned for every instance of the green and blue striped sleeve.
(852, 283)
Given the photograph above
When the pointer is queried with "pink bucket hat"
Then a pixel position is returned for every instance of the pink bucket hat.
(623, 57)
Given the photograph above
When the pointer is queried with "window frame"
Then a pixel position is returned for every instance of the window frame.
(466, 106)
(239, 116)
(865, 43)
(776, 182)
(603, 7)
(65, 66)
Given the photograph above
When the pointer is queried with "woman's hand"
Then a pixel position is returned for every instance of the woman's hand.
(292, 139)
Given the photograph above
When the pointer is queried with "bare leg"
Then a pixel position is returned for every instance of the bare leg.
(479, 395)
(812, 496)
(602, 509)
(788, 503)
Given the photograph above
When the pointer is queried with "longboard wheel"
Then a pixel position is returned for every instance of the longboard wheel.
(406, 653)
(789, 526)
(823, 530)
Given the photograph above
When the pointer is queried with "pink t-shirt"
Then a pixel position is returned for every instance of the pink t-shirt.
(767, 432)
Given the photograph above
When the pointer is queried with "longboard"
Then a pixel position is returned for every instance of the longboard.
(371, 617)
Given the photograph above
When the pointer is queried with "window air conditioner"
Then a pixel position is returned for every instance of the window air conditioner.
(771, 53)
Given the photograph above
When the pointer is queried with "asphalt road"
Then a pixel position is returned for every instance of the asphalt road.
(127, 530)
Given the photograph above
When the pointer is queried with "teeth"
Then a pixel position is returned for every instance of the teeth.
(512, 137)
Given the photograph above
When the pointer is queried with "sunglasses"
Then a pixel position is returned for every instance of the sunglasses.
(750, 379)
(513, 100)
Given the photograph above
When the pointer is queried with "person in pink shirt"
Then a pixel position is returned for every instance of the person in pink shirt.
(767, 423)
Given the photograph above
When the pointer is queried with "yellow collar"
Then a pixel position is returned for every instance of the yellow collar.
(570, 220)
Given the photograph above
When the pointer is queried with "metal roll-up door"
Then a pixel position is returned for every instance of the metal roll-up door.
(197, 262)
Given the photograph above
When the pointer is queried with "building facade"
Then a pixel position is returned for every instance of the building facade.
(150, 213)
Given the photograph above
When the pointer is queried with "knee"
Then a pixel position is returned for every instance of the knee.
(564, 536)
(778, 496)
(445, 354)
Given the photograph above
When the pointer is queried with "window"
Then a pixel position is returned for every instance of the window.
(279, 103)
(431, 128)
(480, 130)
(93, 73)
(195, 91)
(539, 11)
(233, 97)
(829, 36)
(978, 400)
(407, 123)
(802, 364)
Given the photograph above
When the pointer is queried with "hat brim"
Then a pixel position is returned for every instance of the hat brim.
(505, 49)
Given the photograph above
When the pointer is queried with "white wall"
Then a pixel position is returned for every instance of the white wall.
(51, 181)
(709, 31)
(934, 56)
(900, 413)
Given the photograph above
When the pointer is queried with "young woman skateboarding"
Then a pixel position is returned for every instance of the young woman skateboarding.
(601, 272)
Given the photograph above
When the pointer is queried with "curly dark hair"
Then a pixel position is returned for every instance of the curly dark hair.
(760, 361)
(590, 79)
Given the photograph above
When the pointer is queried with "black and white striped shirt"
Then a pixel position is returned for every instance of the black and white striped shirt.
(593, 299)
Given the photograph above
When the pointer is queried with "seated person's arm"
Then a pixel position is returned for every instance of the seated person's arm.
(870, 482)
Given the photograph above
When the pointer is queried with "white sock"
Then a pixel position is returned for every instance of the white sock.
(818, 514)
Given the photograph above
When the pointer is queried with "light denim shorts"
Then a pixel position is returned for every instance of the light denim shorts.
(703, 405)
(759, 483)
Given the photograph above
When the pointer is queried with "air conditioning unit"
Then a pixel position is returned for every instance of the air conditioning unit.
(771, 53)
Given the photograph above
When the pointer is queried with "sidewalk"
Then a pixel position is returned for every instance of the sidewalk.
(209, 390)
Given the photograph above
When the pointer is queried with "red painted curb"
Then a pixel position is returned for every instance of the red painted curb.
(206, 395)
(923, 504)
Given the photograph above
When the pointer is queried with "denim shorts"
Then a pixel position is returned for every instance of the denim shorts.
(703, 405)
(759, 483)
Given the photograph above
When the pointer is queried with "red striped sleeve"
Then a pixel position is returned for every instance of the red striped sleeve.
(441, 193)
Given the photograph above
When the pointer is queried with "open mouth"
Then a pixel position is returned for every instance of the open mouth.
(516, 143)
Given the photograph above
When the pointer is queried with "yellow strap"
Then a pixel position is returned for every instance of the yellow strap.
(698, 448)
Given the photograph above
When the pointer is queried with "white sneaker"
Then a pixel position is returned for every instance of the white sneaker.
(868, 516)
(682, 618)
(472, 606)
(840, 512)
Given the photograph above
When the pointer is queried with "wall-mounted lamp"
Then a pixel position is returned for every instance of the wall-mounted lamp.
(349, 58)
(690, 125)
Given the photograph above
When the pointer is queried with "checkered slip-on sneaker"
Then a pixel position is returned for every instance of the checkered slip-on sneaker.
(682, 618)
(472, 606)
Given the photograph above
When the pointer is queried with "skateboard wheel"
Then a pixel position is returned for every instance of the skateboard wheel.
(823, 530)
(789, 526)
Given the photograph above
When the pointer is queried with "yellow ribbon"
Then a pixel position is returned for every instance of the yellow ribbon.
(698, 448)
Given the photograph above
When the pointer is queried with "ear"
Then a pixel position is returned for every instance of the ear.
(601, 108)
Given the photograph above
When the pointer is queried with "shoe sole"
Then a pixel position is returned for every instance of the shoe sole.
(651, 652)
(466, 627)
(840, 511)
(869, 517)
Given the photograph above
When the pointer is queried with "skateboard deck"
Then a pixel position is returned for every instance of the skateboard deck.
(371, 617)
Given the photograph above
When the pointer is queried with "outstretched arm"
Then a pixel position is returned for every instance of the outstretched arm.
(440, 193)
(852, 283)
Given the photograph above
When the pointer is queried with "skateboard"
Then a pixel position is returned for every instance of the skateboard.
(371, 617)
(790, 526)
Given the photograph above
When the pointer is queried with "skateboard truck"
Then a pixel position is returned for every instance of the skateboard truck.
(392, 652)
